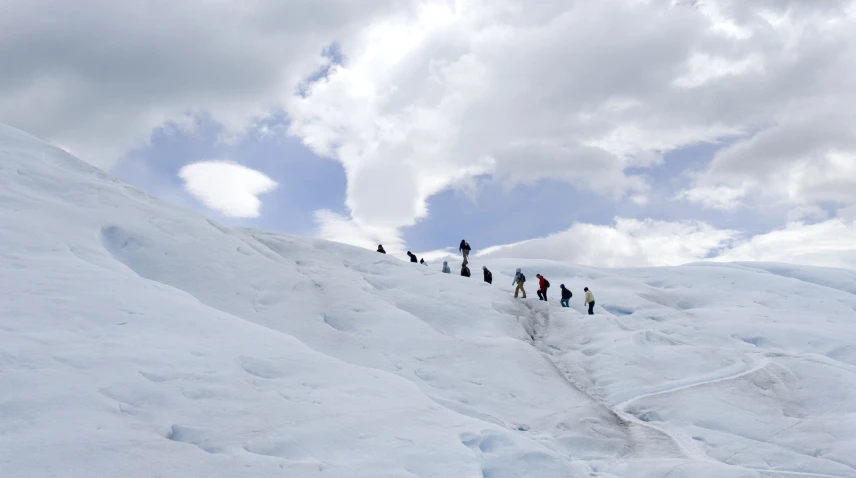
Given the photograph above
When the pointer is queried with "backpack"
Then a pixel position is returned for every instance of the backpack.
(546, 283)
(522, 278)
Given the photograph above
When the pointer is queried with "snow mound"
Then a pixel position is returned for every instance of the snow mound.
(138, 339)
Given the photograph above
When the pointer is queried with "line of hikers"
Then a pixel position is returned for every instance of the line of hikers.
(518, 281)
(543, 284)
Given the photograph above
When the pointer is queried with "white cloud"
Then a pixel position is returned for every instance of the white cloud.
(425, 102)
(800, 161)
(715, 197)
(830, 243)
(703, 68)
(804, 152)
(575, 91)
(629, 242)
(640, 199)
(227, 187)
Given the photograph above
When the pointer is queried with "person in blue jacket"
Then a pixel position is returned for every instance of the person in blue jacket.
(446, 268)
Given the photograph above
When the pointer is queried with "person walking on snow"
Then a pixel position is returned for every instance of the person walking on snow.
(465, 250)
(412, 257)
(446, 269)
(465, 271)
(488, 277)
(543, 283)
(380, 249)
(566, 296)
(589, 300)
(519, 280)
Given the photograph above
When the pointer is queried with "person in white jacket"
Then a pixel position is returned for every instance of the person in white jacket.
(446, 268)
(589, 301)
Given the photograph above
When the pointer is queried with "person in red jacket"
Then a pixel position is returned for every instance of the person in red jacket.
(543, 284)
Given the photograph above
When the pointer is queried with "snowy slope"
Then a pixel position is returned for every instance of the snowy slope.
(138, 339)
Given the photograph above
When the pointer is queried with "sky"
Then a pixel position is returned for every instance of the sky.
(610, 133)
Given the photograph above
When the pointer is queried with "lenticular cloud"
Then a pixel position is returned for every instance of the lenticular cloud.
(227, 187)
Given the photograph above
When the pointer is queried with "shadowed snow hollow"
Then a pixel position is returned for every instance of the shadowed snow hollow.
(138, 339)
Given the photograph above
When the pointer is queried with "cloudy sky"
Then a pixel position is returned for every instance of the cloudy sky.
(616, 132)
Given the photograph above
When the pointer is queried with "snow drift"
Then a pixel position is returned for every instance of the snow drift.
(138, 339)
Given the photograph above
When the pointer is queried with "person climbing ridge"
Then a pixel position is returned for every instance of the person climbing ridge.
(488, 277)
(519, 280)
(566, 296)
(589, 301)
(422, 261)
(412, 257)
(465, 250)
(543, 284)
(380, 249)
(465, 271)
(446, 269)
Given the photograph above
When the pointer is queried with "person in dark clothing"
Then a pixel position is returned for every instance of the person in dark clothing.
(566, 296)
(465, 250)
(465, 271)
(380, 249)
(543, 283)
(589, 301)
(412, 257)
(488, 277)
(422, 261)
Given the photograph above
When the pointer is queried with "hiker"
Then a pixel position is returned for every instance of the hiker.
(488, 277)
(422, 261)
(589, 300)
(446, 269)
(465, 271)
(519, 279)
(380, 249)
(465, 249)
(566, 296)
(412, 257)
(543, 284)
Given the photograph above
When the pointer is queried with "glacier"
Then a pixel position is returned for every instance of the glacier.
(139, 339)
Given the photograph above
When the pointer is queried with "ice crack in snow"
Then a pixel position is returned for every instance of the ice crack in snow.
(537, 323)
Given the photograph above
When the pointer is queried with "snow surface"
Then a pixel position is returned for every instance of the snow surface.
(138, 339)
